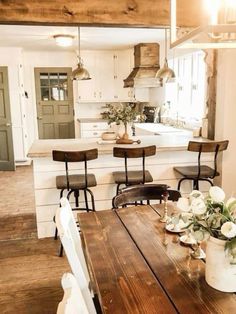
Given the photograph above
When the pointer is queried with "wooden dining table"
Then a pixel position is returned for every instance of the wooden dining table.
(139, 267)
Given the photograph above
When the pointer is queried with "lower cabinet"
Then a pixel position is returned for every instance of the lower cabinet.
(92, 130)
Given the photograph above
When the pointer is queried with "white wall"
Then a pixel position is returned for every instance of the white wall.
(226, 116)
(12, 58)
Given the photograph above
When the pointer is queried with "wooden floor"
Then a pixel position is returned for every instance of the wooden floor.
(30, 270)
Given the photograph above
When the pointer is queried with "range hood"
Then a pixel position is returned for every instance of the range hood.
(146, 66)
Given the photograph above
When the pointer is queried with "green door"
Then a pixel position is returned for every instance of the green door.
(7, 161)
(55, 109)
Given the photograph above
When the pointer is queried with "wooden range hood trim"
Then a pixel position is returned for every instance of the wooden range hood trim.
(127, 13)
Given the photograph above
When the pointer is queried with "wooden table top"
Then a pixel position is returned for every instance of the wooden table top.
(138, 267)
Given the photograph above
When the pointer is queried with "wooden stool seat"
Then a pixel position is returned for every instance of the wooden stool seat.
(128, 177)
(191, 172)
(201, 172)
(134, 177)
(76, 181)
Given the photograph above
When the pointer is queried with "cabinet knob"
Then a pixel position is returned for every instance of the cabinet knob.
(94, 94)
(95, 133)
(95, 126)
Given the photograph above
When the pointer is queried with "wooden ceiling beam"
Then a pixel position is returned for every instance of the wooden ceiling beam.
(133, 13)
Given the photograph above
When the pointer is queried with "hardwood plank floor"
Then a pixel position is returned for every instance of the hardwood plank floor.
(17, 191)
(30, 269)
(30, 276)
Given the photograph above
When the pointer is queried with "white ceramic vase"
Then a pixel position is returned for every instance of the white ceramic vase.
(120, 129)
(220, 274)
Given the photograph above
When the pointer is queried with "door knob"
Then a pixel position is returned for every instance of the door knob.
(39, 118)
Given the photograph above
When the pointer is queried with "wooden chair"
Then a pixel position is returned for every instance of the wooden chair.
(147, 192)
(72, 245)
(201, 172)
(133, 177)
(73, 301)
(74, 183)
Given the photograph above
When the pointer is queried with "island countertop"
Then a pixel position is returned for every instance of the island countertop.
(164, 142)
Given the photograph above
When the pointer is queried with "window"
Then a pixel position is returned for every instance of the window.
(53, 86)
(186, 96)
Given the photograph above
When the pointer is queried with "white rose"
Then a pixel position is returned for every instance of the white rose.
(195, 194)
(183, 204)
(198, 206)
(228, 229)
(217, 194)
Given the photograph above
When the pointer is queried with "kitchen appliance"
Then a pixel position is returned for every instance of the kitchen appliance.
(151, 114)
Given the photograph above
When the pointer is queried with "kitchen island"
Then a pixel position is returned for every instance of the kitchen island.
(171, 151)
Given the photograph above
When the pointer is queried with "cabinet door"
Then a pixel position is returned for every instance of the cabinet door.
(87, 89)
(122, 67)
(105, 75)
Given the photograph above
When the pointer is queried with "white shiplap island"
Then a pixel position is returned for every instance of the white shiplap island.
(171, 151)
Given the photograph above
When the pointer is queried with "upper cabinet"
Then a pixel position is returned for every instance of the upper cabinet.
(108, 69)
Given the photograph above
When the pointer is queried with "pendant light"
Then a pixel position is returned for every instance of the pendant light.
(80, 73)
(165, 74)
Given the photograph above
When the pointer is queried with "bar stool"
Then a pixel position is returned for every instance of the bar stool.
(135, 176)
(201, 172)
(74, 183)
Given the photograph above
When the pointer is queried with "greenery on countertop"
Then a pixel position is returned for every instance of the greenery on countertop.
(122, 113)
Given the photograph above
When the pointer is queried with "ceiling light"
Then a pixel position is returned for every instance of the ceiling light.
(80, 73)
(218, 32)
(64, 40)
(165, 74)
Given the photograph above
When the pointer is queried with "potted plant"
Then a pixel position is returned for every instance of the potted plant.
(122, 114)
(215, 220)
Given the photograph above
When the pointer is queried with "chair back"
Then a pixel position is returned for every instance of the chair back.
(144, 192)
(72, 245)
(138, 152)
(75, 156)
(208, 147)
(73, 301)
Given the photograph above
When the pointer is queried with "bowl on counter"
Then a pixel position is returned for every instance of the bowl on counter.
(108, 136)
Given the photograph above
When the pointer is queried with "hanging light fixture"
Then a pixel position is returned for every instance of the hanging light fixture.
(80, 73)
(165, 74)
(217, 31)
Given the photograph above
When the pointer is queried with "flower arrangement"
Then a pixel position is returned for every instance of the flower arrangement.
(125, 113)
(212, 216)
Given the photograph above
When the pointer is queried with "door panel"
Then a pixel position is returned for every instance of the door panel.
(7, 161)
(55, 108)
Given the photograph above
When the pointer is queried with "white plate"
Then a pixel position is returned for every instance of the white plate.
(186, 240)
(170, 229)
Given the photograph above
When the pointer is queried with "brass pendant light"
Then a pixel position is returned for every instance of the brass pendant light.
(165, 74)
(80, 73)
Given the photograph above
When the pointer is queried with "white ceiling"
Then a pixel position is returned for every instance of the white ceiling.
(41, 37)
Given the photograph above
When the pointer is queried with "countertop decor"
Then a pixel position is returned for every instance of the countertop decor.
(122, 114)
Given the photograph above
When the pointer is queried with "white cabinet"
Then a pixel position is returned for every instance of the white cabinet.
(108, 69)
(92, 130)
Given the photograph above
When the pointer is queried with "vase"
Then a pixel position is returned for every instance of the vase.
(220, 274)
(123, 132)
